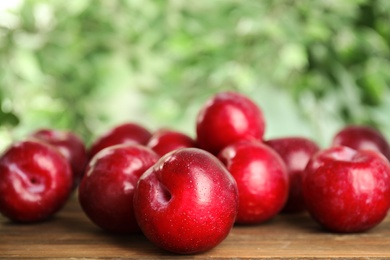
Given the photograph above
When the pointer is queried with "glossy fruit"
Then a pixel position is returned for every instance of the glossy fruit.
(347, 190)
(296, 153)
(261, 178)
(187, 202)
(35, 181)
(124, 133)
(69, 145)
(362, 137)
(106, 191)
(227, 118)
(166, 140)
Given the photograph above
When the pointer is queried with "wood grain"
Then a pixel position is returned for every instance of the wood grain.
(70, 235)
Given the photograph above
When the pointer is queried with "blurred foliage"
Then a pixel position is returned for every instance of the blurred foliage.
(312, 66)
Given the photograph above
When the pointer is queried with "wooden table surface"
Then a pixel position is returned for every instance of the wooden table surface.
(70, 235)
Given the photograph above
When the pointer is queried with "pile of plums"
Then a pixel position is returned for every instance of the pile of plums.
(185, 194)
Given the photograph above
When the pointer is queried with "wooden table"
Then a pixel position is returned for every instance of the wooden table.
(70, 235)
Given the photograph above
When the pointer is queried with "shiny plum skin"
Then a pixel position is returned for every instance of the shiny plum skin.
(106, 191)
(261, 177)
(164, 141)
(123, 133)
(226, 118)
(69, 145)
(296, 153)
(360, 137)
(347, 190)
(35, 181)
(187, 202)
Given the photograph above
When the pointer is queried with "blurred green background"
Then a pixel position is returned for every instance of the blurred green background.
(312, 66)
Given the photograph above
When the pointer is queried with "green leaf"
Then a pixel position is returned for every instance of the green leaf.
(8, 119)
